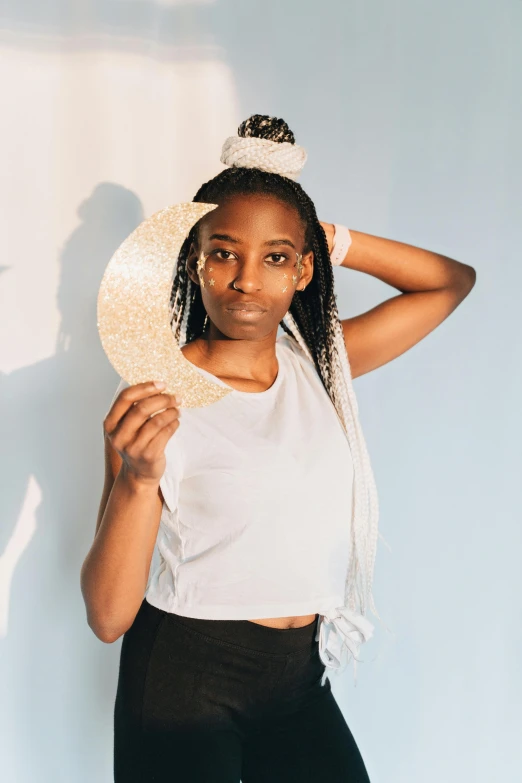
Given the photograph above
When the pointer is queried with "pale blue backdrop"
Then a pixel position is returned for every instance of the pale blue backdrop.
(411, 115)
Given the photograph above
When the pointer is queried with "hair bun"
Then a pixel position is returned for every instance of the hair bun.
(261, 126)
(265, 143)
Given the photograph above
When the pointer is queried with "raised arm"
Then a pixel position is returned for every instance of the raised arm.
(431, 285)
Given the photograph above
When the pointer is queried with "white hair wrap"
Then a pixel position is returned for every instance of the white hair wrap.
(277, 157)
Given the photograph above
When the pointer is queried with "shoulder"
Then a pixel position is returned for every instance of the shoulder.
(290, 346)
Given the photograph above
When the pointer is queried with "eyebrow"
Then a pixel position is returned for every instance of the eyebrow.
(269, 243)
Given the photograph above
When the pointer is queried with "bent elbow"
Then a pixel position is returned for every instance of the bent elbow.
(469, 278)
(105, 635)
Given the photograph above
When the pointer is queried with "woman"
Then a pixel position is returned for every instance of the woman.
(261, 507)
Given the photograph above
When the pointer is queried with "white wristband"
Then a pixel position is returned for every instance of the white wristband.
(341, 243)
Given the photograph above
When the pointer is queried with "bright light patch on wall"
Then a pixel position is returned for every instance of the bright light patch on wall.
(81, 124)
(18, 542)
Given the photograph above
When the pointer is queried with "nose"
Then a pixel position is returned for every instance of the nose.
(248, 277)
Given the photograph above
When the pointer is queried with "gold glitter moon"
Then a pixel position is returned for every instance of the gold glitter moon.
(133, 309)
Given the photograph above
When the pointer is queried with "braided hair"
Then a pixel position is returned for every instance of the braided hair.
(312, 321)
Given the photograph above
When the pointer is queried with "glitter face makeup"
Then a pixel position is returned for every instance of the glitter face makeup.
(202, 259)
(295, 278)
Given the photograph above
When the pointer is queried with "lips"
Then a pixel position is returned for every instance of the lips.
(249, 306)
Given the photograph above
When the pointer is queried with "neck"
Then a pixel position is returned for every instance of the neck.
(235, 359)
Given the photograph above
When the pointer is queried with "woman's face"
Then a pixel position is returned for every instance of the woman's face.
(250, 254)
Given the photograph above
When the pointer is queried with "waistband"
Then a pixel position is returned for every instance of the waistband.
(252, 635)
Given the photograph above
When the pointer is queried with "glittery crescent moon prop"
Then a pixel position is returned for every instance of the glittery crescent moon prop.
(133, 312)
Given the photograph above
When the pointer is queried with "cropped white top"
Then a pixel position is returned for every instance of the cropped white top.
(256, 519)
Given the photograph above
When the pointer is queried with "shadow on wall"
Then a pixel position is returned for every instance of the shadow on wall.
(54, 427)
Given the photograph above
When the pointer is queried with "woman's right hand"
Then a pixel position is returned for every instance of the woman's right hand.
(139, 432)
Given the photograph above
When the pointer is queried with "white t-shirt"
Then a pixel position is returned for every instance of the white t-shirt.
(258, 495)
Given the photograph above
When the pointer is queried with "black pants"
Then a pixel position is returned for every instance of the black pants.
(223, 701)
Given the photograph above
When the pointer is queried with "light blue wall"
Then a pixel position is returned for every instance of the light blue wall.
(411, 115)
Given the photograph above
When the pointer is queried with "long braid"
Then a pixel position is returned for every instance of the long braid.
(313, 322)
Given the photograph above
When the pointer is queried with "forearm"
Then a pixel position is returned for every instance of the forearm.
(405, 267)
(115, 572)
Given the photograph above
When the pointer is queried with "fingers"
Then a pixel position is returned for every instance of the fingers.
(133, 407)
(154, 434)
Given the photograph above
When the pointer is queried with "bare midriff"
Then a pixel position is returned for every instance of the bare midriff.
(286, 622)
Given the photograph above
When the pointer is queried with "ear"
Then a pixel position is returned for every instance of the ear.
(308, 270)
(191, 263)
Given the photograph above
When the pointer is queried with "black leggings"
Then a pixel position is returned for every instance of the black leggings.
(223, 701)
